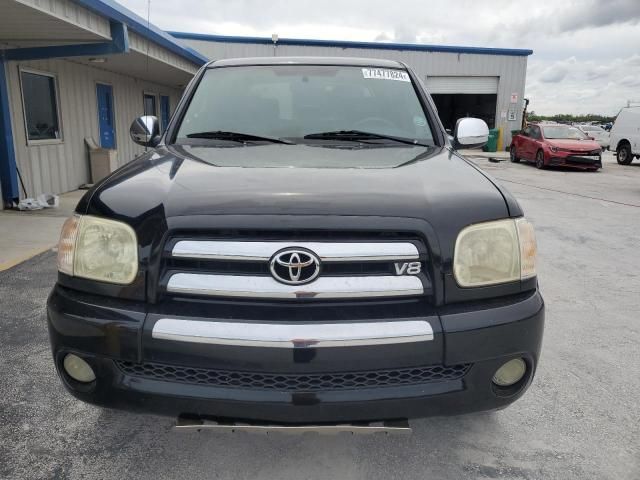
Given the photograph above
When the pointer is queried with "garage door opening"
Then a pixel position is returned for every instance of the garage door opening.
(452, 106)
(464, 96)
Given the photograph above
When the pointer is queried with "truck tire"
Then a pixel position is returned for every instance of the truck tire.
(623, 154)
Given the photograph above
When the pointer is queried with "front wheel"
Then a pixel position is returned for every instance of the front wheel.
(540, 159)
(623, 154)
(513, 155)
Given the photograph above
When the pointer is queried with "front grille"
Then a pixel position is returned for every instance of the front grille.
(306, 382)
(583, 159)
(365, 265)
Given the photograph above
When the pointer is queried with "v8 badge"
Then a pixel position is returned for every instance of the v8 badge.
(408, 268)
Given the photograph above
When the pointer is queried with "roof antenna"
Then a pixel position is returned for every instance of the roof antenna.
(148, 46)
(144, 103)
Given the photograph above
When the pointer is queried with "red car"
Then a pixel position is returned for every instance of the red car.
(556, 145)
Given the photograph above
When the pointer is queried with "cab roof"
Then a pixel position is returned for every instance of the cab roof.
(342, 61)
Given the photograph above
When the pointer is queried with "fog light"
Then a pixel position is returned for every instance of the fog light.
(510, 373)
(78, 369)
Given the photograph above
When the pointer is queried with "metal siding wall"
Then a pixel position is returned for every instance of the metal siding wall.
(61, 167)
(217, 50)
(72, 13)
(142, 45)
(512, 70)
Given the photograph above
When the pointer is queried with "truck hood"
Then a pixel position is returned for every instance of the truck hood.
(432, 184)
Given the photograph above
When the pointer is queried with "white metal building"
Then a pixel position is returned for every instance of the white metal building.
(464, 81)
(71, 70)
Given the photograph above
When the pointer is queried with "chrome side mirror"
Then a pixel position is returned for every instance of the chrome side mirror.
(145, 131)
(470, 133)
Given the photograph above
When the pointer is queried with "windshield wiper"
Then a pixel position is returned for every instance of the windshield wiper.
(237, 137)
(357, 135)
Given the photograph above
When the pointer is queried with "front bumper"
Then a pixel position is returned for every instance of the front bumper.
(483, 335)
(576, 161)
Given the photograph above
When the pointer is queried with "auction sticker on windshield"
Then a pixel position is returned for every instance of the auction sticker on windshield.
(385, 74)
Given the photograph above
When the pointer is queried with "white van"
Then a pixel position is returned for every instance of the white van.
(625, 135)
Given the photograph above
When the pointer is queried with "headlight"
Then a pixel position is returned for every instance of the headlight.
(553, 149)
(98, 249)
(495, 252)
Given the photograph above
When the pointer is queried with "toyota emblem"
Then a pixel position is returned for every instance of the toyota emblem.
(295, 266)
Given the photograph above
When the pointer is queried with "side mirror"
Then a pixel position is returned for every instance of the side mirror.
(145, 131)
(470, 133)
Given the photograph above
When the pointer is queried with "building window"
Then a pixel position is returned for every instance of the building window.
(40, 106)
(165, 112)
(150, 104)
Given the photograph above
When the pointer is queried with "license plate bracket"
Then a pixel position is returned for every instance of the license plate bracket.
(192, 424)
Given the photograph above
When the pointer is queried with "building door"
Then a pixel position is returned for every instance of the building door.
(164, 112)
(106, 116)
(453, 106)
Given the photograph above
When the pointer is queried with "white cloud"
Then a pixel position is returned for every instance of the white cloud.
(586, 86)
(597, 72)
(554, 74)
(630, 81)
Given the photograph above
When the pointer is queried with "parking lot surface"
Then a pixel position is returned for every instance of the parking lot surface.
(27, 233)
(579, 420)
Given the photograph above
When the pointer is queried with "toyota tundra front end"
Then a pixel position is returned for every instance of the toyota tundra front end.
(303, 245)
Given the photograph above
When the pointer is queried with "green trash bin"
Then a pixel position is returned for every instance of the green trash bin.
(492, 143)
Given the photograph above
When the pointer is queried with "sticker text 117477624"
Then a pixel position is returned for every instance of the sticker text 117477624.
(385, 74)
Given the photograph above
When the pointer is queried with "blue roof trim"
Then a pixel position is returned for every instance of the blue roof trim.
(115, 11)
(352, 44)
(119, 43)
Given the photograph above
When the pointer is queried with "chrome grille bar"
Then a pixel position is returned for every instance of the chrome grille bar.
(298, 335)
(266, 287)
(327, 251)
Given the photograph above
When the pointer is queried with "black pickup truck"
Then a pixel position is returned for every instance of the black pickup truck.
(302, 245)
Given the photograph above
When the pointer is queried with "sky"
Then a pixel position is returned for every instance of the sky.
(586, 52)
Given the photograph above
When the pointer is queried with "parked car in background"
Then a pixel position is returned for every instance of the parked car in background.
(625, 135)
(596, 132)
(553, 144)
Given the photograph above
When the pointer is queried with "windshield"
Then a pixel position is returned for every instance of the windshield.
(563, 131)
(293, 101)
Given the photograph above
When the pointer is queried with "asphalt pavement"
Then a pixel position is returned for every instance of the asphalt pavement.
(579, 420)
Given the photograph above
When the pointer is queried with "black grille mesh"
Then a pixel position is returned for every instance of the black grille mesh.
(295, 382)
